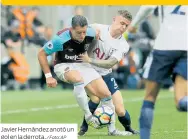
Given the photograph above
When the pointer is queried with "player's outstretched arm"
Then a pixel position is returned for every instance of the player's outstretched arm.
(42, 57)
(107, 64)
(49, 48)
(143, 12)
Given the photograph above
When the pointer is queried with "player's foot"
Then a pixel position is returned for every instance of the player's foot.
(133, 131)
(82, 131)
(92, 121)
(119, 133)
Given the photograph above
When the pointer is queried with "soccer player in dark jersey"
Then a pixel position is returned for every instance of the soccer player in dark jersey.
(68, 45)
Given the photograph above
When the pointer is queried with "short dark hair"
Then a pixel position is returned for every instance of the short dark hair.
(126, 14)
(79, 20)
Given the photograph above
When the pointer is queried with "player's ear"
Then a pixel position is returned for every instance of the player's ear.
(97, 33)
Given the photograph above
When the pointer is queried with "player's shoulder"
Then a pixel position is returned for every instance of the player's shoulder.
(63, 31)
(64, 34)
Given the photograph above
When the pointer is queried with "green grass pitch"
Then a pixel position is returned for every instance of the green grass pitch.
(59, 106)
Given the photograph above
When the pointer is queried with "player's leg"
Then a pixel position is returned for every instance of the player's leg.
(181, 96)
(96, 85)
(157, 70)
(99, 88)
(146, 115)
(68, 73)
(180, 71)
(123, 114)
(93, 104)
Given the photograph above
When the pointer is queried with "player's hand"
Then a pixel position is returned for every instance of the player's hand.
(84, 58)
(132, 29)
(51, 82)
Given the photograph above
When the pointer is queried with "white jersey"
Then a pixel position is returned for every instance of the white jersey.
(107, 47)
(173, 26)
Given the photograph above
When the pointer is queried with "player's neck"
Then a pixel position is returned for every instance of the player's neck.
(113, 32)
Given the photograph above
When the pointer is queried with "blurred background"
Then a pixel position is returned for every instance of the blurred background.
(26, 29)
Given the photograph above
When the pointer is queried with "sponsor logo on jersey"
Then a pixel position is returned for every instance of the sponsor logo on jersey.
(70, 50)
(71, 57)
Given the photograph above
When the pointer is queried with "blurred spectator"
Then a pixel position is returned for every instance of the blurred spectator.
(14, 67)
(11, 38)
(29, 26)
(77, 11)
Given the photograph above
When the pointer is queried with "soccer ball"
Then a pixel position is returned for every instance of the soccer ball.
(103, 115)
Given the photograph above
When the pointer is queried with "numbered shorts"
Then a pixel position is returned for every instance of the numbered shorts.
(86, 71)
(111, 83)
(165, 64)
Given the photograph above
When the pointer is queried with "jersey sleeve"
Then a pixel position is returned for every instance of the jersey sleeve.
(120, 53)
(91, 32)
(143, 12)
(54, 45)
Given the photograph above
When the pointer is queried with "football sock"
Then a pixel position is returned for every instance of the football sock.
(146, 119)
(108, 102)
(92, 107)
(125, 121)
(81, 97)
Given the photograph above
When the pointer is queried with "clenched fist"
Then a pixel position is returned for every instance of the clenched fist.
(51, 82)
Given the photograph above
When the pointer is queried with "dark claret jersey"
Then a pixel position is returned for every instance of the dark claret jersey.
(67, 49)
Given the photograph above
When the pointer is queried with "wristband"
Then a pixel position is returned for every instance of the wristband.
(48, 75)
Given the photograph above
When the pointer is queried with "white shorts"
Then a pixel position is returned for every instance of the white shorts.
(87, 72)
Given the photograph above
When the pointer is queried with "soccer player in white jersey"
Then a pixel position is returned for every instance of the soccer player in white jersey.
(169, 57)
(103, 55)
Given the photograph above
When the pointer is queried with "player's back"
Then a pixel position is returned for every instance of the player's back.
(172, 34)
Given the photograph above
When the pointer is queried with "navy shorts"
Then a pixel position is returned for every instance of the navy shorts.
(111, 83)
(165, 64)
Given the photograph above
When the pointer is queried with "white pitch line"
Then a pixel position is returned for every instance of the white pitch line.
(66, 106)
(106, 133)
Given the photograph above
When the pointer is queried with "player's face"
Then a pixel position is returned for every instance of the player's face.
(121, 24)
(79, 33)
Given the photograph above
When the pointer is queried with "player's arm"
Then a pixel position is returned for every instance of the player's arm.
(42, 57)
(109, 63)
(50, 47)
(143, 12)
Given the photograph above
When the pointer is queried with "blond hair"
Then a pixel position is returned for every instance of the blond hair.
(126, 14)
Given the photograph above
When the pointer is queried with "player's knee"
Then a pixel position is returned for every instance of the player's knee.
(104, 93)
(182, 104)
(107, 93)
(95, 99)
